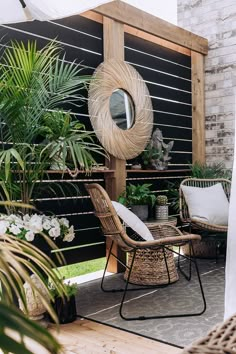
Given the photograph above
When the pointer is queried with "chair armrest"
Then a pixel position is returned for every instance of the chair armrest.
(165, 241)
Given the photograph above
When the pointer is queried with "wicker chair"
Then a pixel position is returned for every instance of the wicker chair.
(220, 340)
(202, 183)
(115, 231)
(213, 236)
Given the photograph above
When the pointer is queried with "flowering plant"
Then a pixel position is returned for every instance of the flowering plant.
(26, 227)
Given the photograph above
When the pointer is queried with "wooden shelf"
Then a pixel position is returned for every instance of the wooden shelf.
(157, 171)
(83, 172)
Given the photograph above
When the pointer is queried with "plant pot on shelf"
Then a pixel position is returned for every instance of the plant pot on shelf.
(141, 211)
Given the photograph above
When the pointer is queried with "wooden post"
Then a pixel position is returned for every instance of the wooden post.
(113, 37)
(198, 108)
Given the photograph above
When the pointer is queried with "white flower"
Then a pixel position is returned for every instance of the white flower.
(46, 224)
(64, 222)
(55, 223)
(29, 235)
(70, 235)
(30, 225)
(35, 223)
(14, 219)
(3, 226)
(54, 232)
(26, 218)
(14, 229)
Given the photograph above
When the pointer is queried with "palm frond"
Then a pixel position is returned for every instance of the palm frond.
(19, 259)
(13, 321)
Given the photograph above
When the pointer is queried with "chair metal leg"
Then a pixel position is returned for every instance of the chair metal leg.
(192, 260)
(105, 269)
(125, 289)
(137, 287)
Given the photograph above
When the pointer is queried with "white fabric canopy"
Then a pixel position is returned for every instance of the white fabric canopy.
(230, 273)
(55, 9)
(11, 11)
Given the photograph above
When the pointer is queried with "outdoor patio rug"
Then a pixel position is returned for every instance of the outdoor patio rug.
(94, 304)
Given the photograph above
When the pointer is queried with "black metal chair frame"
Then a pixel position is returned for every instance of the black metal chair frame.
(164, 240)
(188, 276)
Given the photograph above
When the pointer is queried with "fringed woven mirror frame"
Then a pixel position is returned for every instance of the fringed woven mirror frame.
(110, 76)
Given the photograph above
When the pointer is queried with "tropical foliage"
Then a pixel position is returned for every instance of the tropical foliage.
(203, 170)
(137, 195)
(35, 87)
(19, 259)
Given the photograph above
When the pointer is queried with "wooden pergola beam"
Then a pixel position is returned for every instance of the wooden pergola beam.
(113, 47)
(130, 15)
(198, 108)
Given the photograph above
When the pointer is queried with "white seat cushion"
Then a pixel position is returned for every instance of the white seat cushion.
(208, 204)
(131, 220)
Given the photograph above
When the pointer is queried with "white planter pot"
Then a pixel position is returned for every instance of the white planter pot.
(162, 212)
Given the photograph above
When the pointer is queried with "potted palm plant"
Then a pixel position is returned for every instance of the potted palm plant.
(138, 198)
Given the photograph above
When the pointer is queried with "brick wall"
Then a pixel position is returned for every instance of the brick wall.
(216, 21)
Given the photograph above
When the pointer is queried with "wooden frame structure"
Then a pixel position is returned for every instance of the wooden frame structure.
(117, 18)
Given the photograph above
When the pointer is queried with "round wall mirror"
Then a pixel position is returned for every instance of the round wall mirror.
(122, 109)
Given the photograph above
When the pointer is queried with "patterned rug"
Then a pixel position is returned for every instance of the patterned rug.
(94, 304)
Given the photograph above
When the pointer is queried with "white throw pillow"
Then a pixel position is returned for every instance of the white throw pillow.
(208, 204)
(131, 220)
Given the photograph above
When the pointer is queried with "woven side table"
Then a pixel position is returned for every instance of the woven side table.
(149, 266)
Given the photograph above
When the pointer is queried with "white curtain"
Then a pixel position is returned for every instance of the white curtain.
(230, 273)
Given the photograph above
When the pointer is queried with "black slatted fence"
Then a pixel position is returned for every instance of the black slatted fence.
(168, 76)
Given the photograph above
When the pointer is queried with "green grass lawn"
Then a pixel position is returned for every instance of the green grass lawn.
(82, 268)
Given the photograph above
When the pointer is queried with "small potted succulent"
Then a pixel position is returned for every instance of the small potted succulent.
(162, 211)
(65, 308)
(138, 198)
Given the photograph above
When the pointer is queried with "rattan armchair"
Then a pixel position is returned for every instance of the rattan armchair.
(114, 230)
(201, 183)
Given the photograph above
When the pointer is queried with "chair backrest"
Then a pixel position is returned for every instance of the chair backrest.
(110, 222)
(200, 183)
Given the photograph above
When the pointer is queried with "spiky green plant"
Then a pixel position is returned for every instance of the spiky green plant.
(35, 85)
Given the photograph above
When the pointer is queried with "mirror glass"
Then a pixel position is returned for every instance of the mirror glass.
(122, 109)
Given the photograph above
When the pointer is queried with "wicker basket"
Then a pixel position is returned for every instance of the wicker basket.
(202, 249)
(221, 340)
(149, 268)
